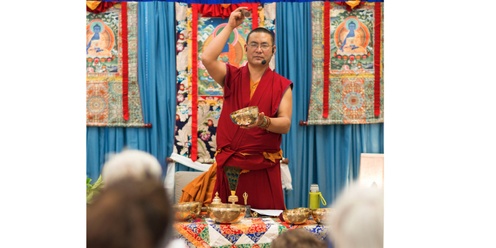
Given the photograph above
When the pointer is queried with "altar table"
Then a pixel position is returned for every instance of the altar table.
(249, 232)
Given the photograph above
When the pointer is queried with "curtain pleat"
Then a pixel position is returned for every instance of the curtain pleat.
(293, 60)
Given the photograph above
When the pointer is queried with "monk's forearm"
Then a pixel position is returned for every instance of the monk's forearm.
(279, 125)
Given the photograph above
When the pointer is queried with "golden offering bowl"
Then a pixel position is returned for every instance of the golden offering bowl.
(187, 210)
(320, 214)
(245, 116)
(296, 216)
(226, 213)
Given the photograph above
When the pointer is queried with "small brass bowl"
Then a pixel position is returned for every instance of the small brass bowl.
(187, 210)
(225, 213)
(320, 214)
(296, 216)
(245, 116)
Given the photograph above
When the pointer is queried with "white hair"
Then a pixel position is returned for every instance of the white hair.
(357, 218)
(130, 163)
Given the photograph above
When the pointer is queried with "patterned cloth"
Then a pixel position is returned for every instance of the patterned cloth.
(106, 92)
(350, 94)
(249, 232)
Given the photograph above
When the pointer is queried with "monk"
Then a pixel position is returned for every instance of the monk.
(248, 157)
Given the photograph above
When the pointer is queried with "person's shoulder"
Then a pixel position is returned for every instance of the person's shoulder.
(279, 75)
(283, 79)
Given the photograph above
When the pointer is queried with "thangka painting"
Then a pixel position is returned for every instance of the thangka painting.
(112, 91)
(199, 97)
(347, 75)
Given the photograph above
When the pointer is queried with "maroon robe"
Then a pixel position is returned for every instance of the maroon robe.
(254, 149)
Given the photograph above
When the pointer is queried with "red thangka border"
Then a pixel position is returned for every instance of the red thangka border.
(194, 83)
(327, 58)
(377, 59)
(125, 61)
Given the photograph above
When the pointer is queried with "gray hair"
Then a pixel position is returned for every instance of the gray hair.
(357, 218)
(133, 163)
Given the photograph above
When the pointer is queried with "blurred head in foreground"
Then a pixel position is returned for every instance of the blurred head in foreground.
(297, 238)
(130, 163)
(357, 219)
(130, 213)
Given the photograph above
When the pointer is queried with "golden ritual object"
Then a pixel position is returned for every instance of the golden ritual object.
(233, 198)
(245, 116)
(225, 213)
(245, 196)
(248, 207)
(186, 210)
(321, 214)
(296, 216)
(216, 199)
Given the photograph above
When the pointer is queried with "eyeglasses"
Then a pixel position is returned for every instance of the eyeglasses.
(263, 46)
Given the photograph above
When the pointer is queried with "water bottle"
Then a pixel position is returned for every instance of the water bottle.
(315, 197)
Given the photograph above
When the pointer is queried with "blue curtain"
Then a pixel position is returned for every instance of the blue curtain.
(328, 155)
(157, 80)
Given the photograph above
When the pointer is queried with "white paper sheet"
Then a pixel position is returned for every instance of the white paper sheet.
(268, 212)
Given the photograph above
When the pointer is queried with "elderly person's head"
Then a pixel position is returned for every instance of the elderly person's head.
(357, 218)
(298, 238)
(130, 213)
(131, 163)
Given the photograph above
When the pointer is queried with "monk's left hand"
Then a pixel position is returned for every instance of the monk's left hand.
(257, 123)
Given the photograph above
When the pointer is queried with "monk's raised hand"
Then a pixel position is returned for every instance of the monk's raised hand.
(237, 17)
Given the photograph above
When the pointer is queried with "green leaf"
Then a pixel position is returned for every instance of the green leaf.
(99, 183)
(93, 189)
